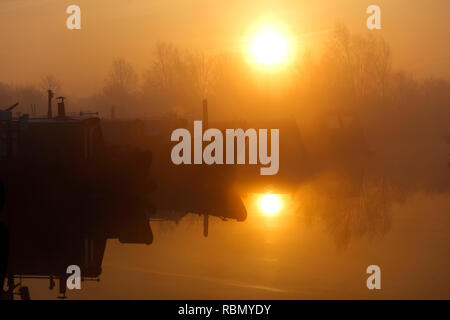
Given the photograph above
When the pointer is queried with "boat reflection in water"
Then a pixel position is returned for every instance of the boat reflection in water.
(71, 183)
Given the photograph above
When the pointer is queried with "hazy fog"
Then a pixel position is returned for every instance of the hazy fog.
(34, 40)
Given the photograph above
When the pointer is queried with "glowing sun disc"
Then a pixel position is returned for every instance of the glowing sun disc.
(269, 47)
(270, 204)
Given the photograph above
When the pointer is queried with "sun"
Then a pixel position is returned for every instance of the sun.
(269, 47)
(270, 204)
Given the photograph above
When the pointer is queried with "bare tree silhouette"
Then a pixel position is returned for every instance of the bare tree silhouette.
(122, 76)
(50, 82)
(178, 80)
(120, 87)
(204, 73)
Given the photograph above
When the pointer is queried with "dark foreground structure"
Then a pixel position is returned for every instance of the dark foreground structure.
(64, 195)
(70, 183)
(64, 192)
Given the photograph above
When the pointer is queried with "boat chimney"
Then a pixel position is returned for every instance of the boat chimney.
(61, 107)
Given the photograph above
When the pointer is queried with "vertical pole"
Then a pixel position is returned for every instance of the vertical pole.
(62, 286)
(205, 225)
(205, 125)
(50, 96)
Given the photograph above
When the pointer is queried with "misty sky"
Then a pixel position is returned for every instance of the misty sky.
(34, 40)
(294, 255)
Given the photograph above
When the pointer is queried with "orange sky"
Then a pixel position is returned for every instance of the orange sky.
(34, 40)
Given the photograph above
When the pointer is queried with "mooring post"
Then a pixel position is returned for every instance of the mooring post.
(50, 97)
(205, 125)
